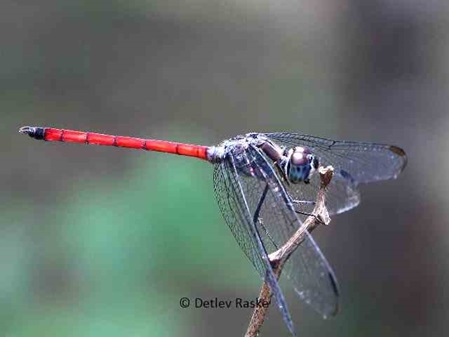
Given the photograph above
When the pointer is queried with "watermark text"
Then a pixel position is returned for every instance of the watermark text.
(217, 303)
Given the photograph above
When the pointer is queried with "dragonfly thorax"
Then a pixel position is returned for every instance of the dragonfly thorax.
(298, 165)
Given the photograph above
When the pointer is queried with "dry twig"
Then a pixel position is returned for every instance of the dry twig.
(279, 257)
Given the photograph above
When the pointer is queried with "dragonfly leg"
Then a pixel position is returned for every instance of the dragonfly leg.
(304, 202)
(310, 214)
(259, 205)
(258, 220)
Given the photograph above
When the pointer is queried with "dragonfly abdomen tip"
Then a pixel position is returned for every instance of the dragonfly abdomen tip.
(32, 131)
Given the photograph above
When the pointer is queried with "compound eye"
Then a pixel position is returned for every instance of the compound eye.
(298, 159)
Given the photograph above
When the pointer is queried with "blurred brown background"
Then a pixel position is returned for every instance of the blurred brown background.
(104, 242)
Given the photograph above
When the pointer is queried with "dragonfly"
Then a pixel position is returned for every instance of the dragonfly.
(265, 185)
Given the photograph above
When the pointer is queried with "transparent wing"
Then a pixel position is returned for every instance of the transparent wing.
(238, 211)
(275, 221)
(307, 268)
(229, 199)
(354, 163)
(312, 278)
(358, 161)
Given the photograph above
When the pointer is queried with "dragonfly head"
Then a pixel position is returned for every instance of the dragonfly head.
(299, 164)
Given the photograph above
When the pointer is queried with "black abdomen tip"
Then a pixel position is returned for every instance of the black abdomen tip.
(33, 131)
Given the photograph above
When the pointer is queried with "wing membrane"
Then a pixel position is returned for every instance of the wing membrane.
(354, 163)
(359, 161)
(236, 205)
(276, 221)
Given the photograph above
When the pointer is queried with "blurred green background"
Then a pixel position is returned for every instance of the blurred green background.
(104, 242)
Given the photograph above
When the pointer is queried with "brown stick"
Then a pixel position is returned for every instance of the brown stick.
(278, 258)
